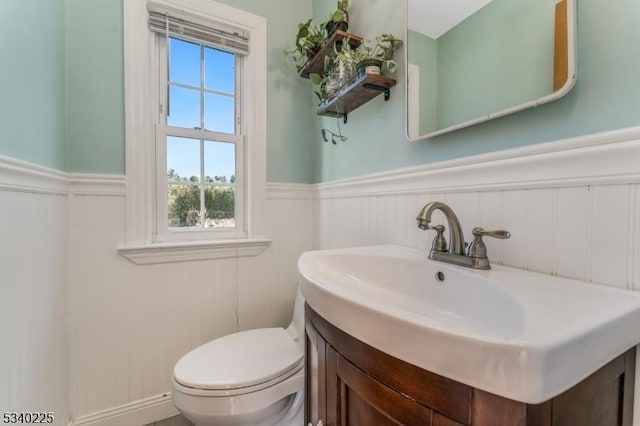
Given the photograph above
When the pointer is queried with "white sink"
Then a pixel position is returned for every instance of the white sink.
(518, 334)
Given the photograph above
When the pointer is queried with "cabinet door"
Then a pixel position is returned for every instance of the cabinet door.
(315, 378)
(362, 400)
(605, 398)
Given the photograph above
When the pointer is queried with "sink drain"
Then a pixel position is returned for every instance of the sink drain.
(440, 276)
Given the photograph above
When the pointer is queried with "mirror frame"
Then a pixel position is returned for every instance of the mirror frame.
(572, 67)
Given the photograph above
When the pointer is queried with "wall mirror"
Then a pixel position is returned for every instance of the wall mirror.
(470, 61)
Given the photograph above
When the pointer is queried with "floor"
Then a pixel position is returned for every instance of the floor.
(172, 421)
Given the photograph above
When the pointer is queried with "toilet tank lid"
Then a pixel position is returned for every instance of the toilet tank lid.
(239, 360)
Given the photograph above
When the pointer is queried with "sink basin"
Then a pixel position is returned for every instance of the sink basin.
(518, 334)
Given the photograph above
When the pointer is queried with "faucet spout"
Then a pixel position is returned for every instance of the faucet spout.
(455, 229)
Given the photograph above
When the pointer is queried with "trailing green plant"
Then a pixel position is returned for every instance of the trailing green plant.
(339, 18)
(341, 67)
(387, 45)
(328, 85)
(383, 50)
(308, 42)
(347, 57)
(335, 137)
(327, 82)
(341, 14)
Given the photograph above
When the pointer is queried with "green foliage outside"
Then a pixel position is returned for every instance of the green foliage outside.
(184, 201)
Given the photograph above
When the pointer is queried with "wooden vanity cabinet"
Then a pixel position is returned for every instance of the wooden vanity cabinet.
(351, 383)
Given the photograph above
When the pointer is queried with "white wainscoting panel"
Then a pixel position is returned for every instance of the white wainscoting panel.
(131, 323)
(33, 296)
(571, 206)
(79, 316)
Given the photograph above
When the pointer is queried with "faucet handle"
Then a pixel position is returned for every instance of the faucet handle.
(477, 249)
(500, 233)
(439, 242)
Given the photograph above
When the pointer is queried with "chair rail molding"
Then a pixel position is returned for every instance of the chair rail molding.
(603, 158)
(289, 191)
(18, 175)
(97, 184)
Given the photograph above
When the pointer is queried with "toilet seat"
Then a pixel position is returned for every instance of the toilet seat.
(243, 409)
(252, 360)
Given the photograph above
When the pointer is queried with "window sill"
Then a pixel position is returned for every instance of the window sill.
(187, 252)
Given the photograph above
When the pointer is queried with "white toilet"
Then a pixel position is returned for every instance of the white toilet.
(253, 377)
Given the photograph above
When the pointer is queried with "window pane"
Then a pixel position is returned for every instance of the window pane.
(219, 70)
(183, 159)
(219, 113)
(219, 162)
(184, 62)
(184, 108)
(183, 206)
(220, 169)
(220, 207)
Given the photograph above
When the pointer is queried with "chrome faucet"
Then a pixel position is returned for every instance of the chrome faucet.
(476, 254)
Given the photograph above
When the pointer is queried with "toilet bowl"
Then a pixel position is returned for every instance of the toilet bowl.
(254, 377)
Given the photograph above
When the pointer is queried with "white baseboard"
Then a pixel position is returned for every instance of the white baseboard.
(137, 413)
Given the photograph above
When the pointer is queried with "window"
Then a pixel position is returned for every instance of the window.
(199, 142)
(195, 130)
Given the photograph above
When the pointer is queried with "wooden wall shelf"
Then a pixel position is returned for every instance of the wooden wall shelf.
(356, 93)
(316, 64)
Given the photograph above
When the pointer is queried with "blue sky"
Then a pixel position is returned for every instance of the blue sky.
(183, 155)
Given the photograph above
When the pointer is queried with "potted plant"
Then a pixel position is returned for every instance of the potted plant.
(328, 81)
(346, 57)
(309, 40)
(372, 58)
(368, 58)
(339, 19)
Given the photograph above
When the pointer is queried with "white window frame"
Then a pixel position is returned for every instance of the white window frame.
(142, 161)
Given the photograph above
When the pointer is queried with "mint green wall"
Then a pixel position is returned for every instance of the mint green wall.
(376, 130)
(481, 71)
(95, 88)
(289, 113)
(72, 59)
(32, 104)
(606, 97)
(423, 52)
